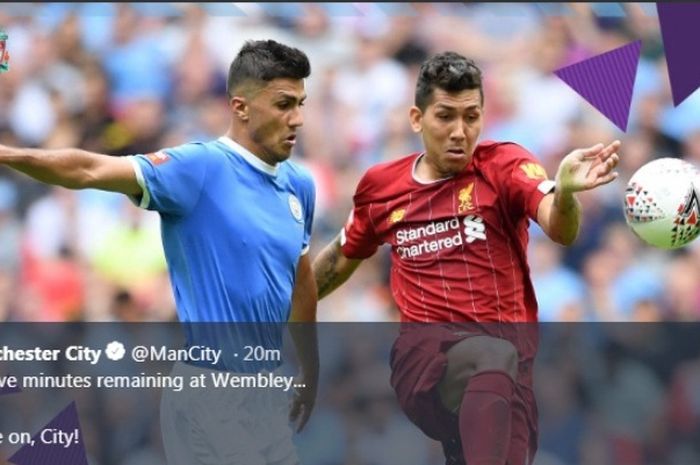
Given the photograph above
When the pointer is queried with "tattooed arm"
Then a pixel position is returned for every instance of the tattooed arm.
(331, 268)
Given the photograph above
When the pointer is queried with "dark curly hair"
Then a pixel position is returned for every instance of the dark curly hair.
(448, 71)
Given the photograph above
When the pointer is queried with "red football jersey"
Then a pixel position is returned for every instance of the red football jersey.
(459, 244)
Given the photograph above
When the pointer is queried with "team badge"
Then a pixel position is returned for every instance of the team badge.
(295, 208)
(397, 215)
(465, 199)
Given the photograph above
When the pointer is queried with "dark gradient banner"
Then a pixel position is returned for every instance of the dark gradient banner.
(623, 394)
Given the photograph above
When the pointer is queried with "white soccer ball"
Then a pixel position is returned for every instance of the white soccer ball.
(661, 203)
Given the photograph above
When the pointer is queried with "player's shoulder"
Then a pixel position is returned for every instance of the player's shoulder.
(191, 151)
(500, 154)
(297, 170)
(385, 176)
(178, 157)
(299, 174)
(498, 149)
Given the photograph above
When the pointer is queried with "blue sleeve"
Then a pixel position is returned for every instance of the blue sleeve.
(308, 199)
(172, 179)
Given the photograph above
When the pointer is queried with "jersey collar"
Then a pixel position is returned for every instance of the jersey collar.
(421, 181)
(248, 156)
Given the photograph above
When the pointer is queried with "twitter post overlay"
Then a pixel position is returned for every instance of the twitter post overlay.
(116, 351)
(164, 393)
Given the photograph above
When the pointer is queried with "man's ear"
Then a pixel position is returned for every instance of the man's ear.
(415, 116)
(239, 107)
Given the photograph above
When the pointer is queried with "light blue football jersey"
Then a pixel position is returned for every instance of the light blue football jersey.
(233, 228)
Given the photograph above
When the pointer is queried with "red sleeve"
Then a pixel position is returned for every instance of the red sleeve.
(358, 238)
(526, 181)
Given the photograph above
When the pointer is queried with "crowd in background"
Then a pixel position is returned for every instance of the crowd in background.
(116, 79)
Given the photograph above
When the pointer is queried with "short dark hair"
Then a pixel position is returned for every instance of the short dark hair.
(448, 71)
(262, 61)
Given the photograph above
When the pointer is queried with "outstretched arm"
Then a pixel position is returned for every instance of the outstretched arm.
(73, 168)
(331, 268)
(559, 214)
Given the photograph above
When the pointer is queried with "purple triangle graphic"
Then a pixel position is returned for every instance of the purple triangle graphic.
(679, 30)
(44, 453)
(606, 81)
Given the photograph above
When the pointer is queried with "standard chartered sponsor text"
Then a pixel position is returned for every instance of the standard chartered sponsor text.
(404, 235)
(407, 235)
(450, 231)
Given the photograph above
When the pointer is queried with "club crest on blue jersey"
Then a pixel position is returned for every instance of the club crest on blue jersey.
(295, 208)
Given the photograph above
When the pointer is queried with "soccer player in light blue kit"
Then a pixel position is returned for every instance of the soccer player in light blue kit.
(236, 220)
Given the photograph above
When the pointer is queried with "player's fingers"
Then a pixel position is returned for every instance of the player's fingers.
(605, 179)
(605, 167)
(602, 152)
(601, 167)
(614, 159)
(592, 151)
(610, 150)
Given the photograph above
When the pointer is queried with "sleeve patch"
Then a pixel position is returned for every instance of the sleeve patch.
(534, 170)
(158, 158)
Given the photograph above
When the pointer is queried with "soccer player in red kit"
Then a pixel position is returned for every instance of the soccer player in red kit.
(456, 216)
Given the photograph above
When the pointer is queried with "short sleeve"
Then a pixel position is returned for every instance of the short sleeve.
(172, 179)
(358, 239)
(526, 179)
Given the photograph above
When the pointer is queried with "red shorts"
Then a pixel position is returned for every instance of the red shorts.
(418, 363)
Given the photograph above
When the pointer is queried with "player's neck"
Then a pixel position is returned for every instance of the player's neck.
(428, 172)
(245, 142)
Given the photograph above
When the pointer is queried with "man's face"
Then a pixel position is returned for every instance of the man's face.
(274, 115)
(450, 127)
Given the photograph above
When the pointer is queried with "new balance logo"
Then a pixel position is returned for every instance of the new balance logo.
(474, 228)
(534, 171)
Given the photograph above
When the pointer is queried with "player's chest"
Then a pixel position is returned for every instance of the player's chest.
(461, 211)
(264, 217)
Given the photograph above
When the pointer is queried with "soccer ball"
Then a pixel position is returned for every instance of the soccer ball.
(661, 203)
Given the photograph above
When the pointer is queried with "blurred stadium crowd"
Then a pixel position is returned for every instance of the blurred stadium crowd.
(125, 82)
(112, 79)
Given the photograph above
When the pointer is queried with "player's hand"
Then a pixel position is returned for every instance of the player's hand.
(302, 402)
(585, 169)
